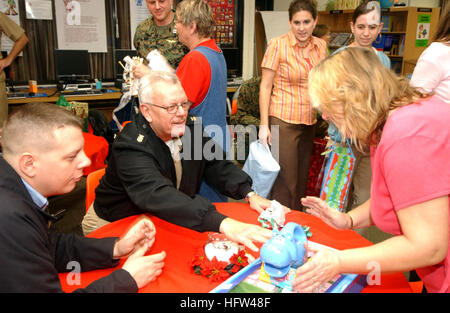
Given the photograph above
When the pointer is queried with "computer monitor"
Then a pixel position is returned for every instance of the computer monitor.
(119, 54)
(72, 65)
(234, 61)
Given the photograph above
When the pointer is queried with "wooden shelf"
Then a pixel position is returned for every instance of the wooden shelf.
(55, 96)
(393, 33)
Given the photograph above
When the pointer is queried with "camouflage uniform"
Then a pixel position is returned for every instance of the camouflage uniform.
(246, 114)
(149, 36)
(248, 104)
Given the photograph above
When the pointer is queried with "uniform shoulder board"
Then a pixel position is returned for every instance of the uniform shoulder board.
(193, 120)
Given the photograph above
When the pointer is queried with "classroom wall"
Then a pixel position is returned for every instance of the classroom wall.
(248, 49)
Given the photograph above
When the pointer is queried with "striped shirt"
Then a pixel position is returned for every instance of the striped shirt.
(290, 99)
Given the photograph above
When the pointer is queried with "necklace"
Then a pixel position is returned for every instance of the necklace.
(302, 48)
(306, 44)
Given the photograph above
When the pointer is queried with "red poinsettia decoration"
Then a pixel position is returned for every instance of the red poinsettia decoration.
(239, 261)
(217, 270)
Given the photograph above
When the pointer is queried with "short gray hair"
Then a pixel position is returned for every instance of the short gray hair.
(197, 11)
(146, 83)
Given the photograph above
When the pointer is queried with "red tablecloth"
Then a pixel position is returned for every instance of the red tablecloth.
(180, 245)
(96, 149)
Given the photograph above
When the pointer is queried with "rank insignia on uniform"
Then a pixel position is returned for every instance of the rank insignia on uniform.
(193, 118)
(140, 138)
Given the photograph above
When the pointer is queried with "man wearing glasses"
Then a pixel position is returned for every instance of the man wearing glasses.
(155, 167)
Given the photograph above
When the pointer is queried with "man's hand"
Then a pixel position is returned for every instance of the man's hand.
(140, 70)
(135, 244)
(4, 63)
(144, 269)
(259, 204)
(19, 44)
(141, 234)
(244, 233)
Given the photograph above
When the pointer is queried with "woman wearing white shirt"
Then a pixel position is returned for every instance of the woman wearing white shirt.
(432, 71)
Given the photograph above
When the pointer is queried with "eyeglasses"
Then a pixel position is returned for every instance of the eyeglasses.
(172, 109)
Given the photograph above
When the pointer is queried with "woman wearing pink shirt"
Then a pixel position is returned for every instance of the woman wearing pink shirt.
(409, 136)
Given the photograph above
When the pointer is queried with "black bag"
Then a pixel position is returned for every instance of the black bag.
(100, 126)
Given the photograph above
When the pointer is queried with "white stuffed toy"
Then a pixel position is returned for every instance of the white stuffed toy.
(273, 217)
(156, 62)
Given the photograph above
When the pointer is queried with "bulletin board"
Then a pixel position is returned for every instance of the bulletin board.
(224, 12)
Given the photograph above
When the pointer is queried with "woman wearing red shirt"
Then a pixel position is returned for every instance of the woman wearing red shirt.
(203, 75)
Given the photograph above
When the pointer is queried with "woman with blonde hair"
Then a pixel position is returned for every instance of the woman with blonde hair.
(408, 135)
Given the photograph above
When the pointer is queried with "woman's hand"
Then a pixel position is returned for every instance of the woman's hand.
(264, 135)
(321, 268)
(334, 218)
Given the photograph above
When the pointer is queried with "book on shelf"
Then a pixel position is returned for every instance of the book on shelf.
(379, 42)
(394, 50)
(387, 23)
(401, 45)
(339, 39)
(392, 44)
(346, 4)
(388, 42)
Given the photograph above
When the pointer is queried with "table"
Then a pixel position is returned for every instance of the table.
(116, 95)
(105, 103)
(181, 243)
(54, 97)
(96, 149)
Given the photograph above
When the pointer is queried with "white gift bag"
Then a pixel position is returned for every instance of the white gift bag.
(261, 167)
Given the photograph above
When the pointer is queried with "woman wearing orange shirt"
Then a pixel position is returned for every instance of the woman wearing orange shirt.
(284, 101)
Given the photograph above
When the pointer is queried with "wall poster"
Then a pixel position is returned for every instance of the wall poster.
(11, 10)
(81, 25)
